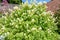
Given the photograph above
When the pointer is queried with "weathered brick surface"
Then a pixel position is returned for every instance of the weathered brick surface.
(53, 5)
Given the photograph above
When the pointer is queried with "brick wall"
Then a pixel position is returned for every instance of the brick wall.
(53, 5)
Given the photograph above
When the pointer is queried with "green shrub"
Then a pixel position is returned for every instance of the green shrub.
(0, 0)
(28, 22)
(0, 15)
(15, 1)
(57, 16)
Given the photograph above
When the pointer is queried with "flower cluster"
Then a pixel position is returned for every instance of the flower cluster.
(28, 23)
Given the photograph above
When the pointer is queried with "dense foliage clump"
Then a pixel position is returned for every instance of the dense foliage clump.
(28, 22)
(57, 16)
(13, 1)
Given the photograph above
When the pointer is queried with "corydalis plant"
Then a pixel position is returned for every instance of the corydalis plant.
(29, 22)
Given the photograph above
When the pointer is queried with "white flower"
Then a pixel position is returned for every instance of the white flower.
(5, 22)
(46, 7)
(56, 18)
(2, 16)
(22, 19)
(28, 30)
(45, 21)
(5, 17)
(11, 20)
(30, 6)
(10, 10)
(6, 33)
(40, 3)
(53, 19)
(14, 20)
(24, 13)
(33, 29)
(18, 18)
(6, 13)
(27, 25)
(3, 27)
(49, 30)
(2, 37)
(15, 7)
(16, 26)
(33, 20)
(29, 11)
(20, 22)
(12, 23)
(32, 10)
(41, 9)
(48, 19)
(15, 14)
(40, 28)
(50, 12)
(24, 33)
(44, 13)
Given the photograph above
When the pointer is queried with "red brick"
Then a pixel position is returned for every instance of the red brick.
(53, 5)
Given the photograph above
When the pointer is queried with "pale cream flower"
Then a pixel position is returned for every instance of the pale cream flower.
(5, 21)
(14, 20)
(11, 20)
(16, 7)
(2, 37)
(40, 28)
(6, 33)
(22, 19)
(16, 26)
(48, 19)
(29, 11)
(6, 13)
(30, 6)
(40, 3)
(15, 14)
(28, 30)
(2, 16)
(12, 23)
(49, 30)
(24, 33)
(27, 25)
(44, 13)
(53, 19)
(33, 29)
(18, 18)
(10, 10)
(45, 21)
(33, 20)
(46, 7)
(5, 17)
(24, 13)
(3, 27)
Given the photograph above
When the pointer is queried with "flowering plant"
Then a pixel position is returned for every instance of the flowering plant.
(28, 22)
(57, 16)
(15, 1)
